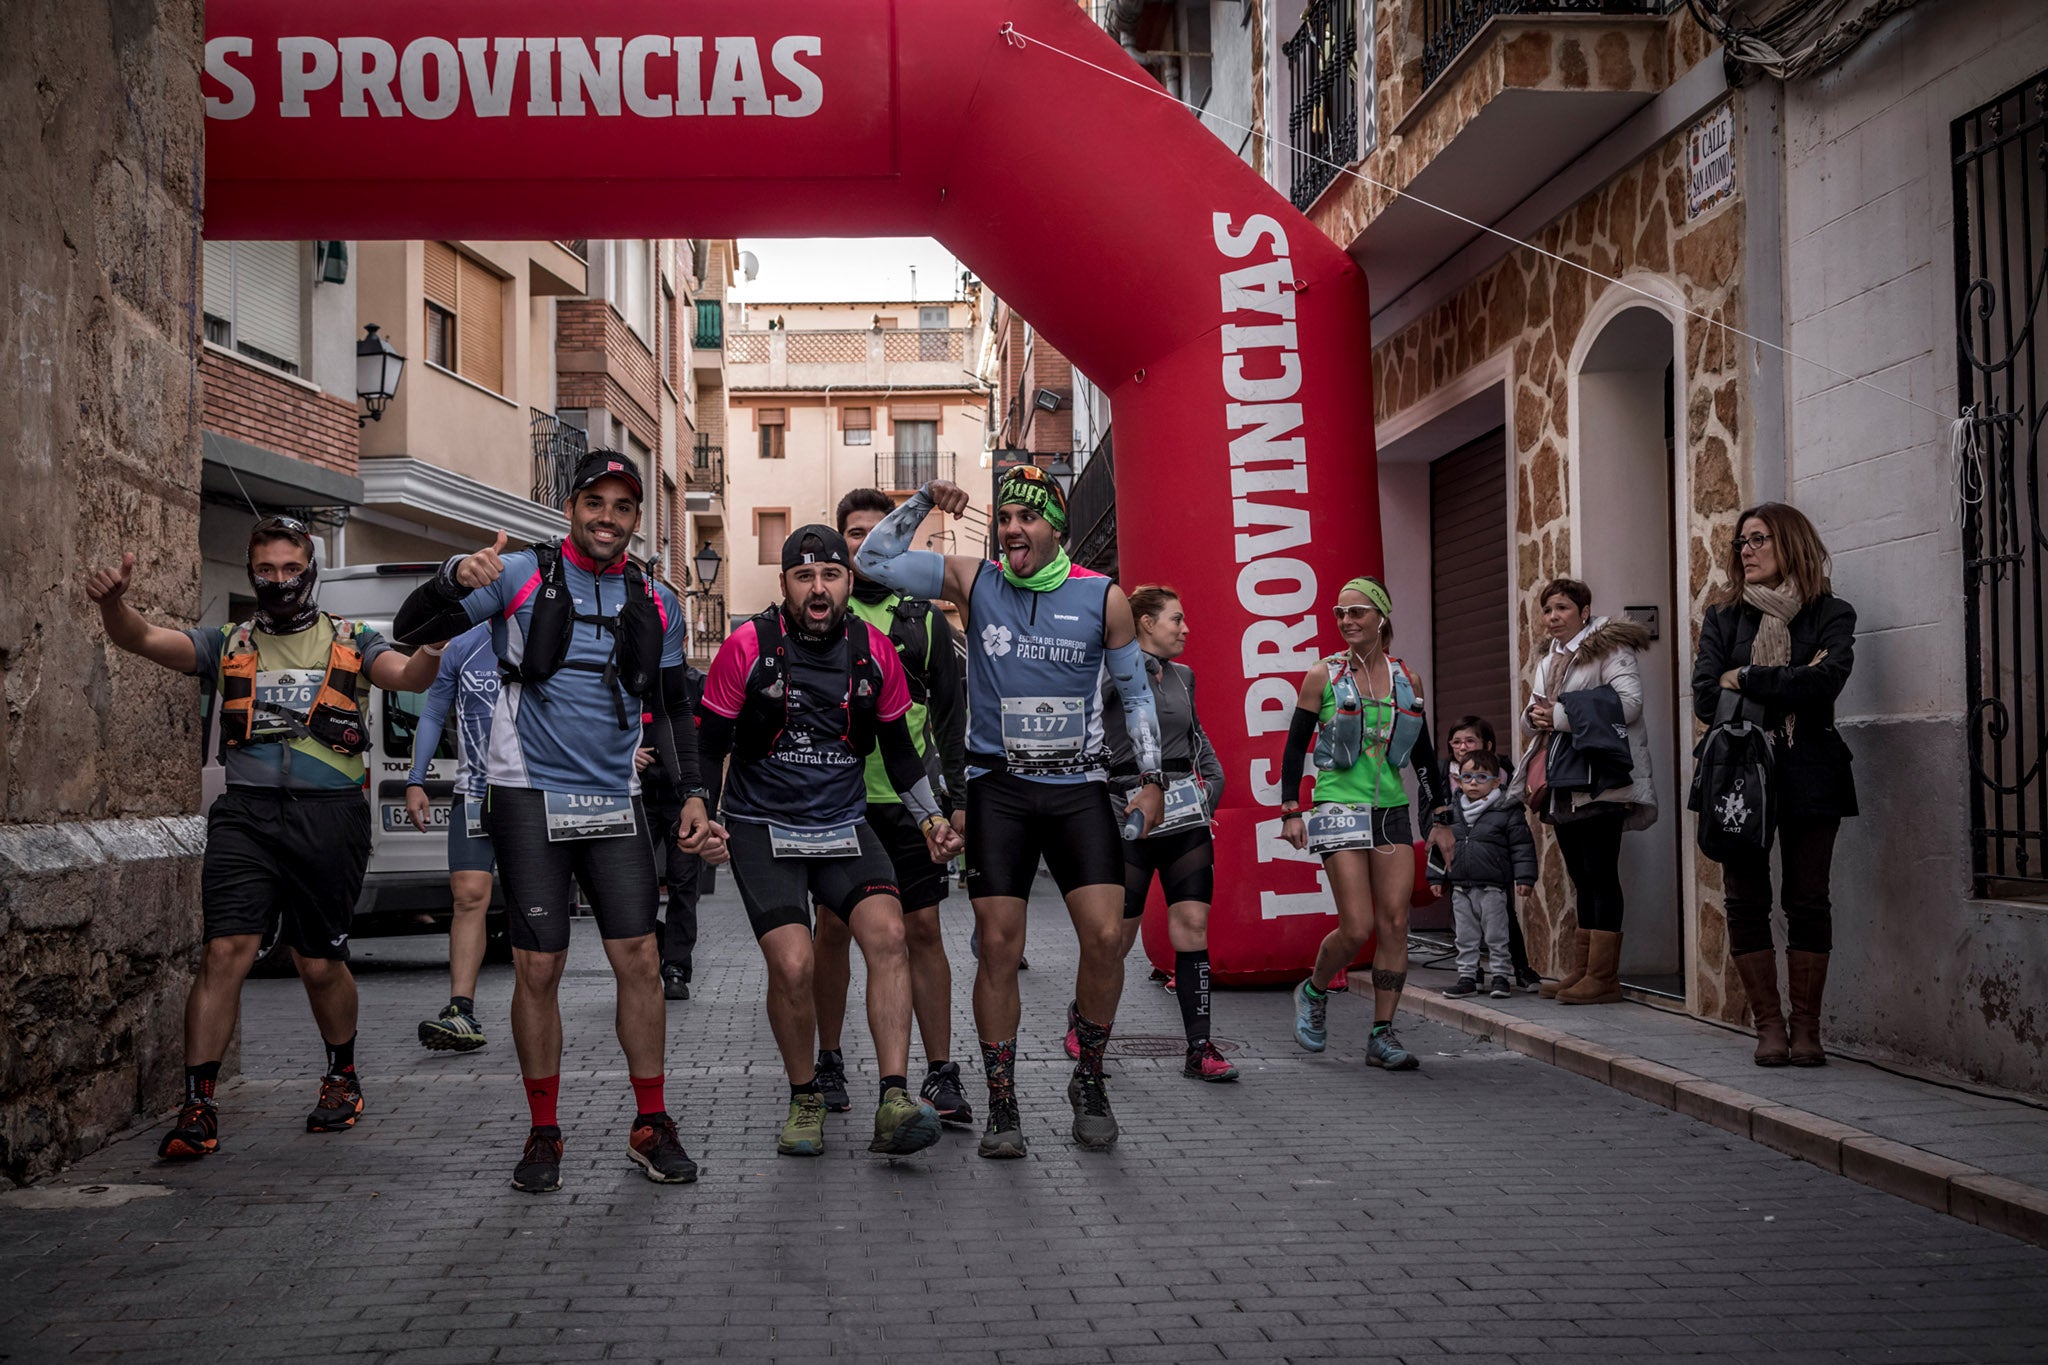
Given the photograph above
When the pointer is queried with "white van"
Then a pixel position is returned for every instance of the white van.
(405, 890)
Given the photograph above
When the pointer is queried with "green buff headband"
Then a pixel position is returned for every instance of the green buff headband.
(1028, 486)
(1373, 593)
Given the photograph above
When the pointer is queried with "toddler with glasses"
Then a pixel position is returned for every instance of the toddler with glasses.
(1495, 852)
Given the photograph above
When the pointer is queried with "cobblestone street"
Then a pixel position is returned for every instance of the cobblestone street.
(1489, 1208)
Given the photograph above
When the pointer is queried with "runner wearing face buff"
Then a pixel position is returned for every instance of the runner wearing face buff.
(1363, 711)
(1041, 632)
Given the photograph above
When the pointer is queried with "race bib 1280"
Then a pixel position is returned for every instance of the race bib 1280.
(1334, 826)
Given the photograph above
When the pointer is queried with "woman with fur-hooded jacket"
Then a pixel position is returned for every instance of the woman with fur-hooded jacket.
(1589, 652)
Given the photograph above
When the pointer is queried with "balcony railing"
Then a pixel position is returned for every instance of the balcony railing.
(707, 467)
(1322, 72)
(710, 325)
(557, 447)
(792, 357)
(708, 627)
(1449, 26)
(906, 471)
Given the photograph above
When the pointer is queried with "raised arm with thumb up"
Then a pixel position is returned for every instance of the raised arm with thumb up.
(483, 567)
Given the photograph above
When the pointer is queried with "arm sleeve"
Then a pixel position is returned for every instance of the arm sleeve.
(433, 715)
(1522, 848)
(1709, 664)
(714, 742)
(1301, 732)
(676, 722)
(1141, 713)
(438, 610)
(674, 634)
(947, 688)
(906, 769)
(1803, 684)
(886, 556)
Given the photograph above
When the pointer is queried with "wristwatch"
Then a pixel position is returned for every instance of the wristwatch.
(698, 794)
(1443, 816)
(1153, 778)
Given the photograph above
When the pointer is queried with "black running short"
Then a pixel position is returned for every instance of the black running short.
(1392, 827)
(300, 856)
(1012, 822)
(778, 891)
(920, 882)
(616, 873)
(1185, 862)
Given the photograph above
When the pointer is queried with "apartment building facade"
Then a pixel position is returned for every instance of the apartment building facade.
(826, 397)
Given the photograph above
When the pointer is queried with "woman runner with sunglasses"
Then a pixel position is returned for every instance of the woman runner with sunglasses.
(1362, 710)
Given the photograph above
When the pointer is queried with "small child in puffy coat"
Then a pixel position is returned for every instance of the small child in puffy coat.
(1495, 851)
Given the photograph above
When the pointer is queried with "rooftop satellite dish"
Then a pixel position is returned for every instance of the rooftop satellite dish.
(750, 266)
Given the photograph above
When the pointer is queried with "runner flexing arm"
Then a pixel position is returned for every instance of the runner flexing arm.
(886, 556)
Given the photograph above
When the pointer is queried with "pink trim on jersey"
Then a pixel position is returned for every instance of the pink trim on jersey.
(895, 700)
(725, 686)
(519, 599)
(585, 562)
(1078, 572)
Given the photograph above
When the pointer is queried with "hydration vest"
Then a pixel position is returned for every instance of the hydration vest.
(910, 630)
(334, 720)
(1340, 741)
(764, 715)
(635, 660)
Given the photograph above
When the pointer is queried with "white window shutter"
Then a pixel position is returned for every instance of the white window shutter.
(269, 298)
(218, 296)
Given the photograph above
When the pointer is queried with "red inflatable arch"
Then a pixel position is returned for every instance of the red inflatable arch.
(1231, 335)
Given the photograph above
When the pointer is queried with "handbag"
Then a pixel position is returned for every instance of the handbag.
(1536, 760)
(1731, 783)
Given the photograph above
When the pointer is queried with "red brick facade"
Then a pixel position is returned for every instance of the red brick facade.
(267, 410)
(1019, 423)
(602, 364)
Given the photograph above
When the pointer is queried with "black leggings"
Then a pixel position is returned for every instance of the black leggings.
(1185, 863)
(1806, 854)
(1592, 856)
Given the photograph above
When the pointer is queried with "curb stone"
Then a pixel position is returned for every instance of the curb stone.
(1956, 1188)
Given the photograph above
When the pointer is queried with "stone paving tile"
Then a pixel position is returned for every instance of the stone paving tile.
(1487, 1208)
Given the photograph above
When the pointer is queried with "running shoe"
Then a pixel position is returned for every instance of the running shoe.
(675, 985)
(1073, 1031)
(1385, 1050)
(904, 1125)
(1500, 989)
(1205, 1063)
(1168, 985)
(1004, 1137)
(340, 1103)
(1311, 1019)
(803, 1133)
(1094, 1124)
(1462, 987)
(655, 1149)
(941, 1090)
(832, 1082)
(452, 1031)
(1161, 974)
(540, 1166)
(1340, 983)
(196, 1134)
(1528, 978)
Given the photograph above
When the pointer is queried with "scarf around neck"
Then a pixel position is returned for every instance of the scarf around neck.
(1046, 579)
(1773, 644)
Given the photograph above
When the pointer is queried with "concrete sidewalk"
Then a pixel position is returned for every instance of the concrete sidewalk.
(1977, 1156)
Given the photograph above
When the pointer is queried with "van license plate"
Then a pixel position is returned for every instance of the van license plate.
(396, 819)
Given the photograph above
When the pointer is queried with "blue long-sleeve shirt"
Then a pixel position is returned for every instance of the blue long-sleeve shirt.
(468, 681)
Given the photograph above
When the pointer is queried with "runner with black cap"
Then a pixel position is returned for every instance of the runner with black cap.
(288, 841)
(582, 635)
(799, 695)
(1041, 634)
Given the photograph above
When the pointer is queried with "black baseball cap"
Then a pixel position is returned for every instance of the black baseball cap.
(606, 464)
(829, 547)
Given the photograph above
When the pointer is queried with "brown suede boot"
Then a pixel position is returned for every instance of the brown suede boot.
(1574, 969)
(1760, 984)
(1601, 985)
(1809, 981)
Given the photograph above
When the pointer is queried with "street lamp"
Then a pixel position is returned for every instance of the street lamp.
(377, 370)
(707, 562)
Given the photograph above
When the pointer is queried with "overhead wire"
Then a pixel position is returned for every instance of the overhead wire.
(1022, 41)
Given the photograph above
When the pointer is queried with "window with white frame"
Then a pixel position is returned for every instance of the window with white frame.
(633, 286)
(254, 300)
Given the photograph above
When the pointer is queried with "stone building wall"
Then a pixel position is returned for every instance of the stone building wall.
(1536, 309)
(99, 453)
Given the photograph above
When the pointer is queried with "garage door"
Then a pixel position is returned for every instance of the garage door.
(1468, 513)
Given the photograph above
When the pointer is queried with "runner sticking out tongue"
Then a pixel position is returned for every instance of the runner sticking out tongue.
(1033, 556)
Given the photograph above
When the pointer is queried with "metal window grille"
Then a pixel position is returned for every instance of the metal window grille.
(1449, 26)
(557, 448)
(908, 470)
(1322, 74)
(2000, 156)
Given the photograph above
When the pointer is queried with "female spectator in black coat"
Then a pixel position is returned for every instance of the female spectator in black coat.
(1779, 636)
